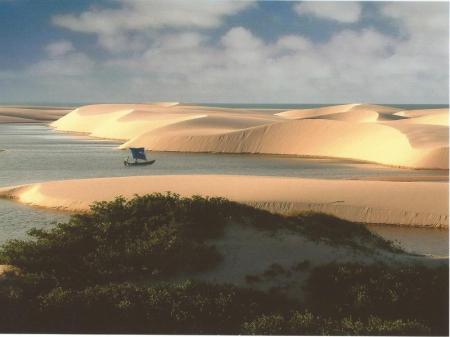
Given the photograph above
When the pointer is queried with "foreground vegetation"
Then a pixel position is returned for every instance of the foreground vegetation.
(110, 271)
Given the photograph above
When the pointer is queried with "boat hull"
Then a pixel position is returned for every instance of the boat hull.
(145, 163)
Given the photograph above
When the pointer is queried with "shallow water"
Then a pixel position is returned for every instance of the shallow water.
(416, 240)
(35, 152)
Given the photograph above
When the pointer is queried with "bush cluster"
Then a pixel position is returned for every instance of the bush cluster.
(146, 237)
(112, 271)
(305, 323)
(170, 308)
(409, 291)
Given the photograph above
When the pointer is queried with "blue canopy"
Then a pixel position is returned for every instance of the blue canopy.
(138, 153)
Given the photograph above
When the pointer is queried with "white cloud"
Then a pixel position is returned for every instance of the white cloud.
(142, 14)
(59, 48)
(186, 40)
(341, 11)
(424, 24)
(294, 42)
(240, 38)
(76, 64)
(359, 43)
(62, 60)
(188, 64)
(113, 26)
(353, 65)
(419, 17)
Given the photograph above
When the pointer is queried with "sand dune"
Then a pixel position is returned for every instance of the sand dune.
(329, 111)
(412, 203)
(31, 114)
(422, 136)
(364, 132)
(434, 119)
(325, 138)
(426, 116)
(364, 116)
(421, 112)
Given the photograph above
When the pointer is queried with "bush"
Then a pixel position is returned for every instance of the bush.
(181, 308)
(389, 292)
(335, 231)
(110, 271)
(305, 323)
(145, 237)
(154, 236)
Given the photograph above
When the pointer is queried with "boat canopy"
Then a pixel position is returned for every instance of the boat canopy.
(138, 153)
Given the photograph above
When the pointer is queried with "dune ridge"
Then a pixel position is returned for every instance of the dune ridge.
(365, 132)
(411, 203)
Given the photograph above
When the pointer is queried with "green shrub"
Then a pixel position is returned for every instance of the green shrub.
(109, 271)
(146, 237)
(182, 308)
(154, 236)
(265, 325)
(305, 323)
(389, 292)
(335, 231)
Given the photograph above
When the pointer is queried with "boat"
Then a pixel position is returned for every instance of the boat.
(137, 153)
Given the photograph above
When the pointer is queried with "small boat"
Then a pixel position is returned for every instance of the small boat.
(137, 153)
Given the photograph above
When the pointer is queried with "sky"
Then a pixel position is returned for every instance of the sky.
(223, 51)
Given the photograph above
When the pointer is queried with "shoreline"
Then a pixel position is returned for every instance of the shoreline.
(421, 204)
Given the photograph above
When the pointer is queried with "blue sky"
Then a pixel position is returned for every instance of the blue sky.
(223, 51)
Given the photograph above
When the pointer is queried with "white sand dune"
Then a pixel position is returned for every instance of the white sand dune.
(426, 116)
(125, 121)
(31, 114)
(405, 203)
(434, 119)
(421, 112)
(356, 116)
(362, 132)
(324, 138)
(421, 136)
(329, 111)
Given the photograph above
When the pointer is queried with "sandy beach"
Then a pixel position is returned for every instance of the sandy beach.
(403, 203)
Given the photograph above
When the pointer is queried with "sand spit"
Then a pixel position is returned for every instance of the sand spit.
(31, 114)
(401, 203)
(372, 133)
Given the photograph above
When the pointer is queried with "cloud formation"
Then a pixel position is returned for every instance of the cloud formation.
(62, 60)
(187, 51)
(142, 14)
(59, 48)
(113, 26)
